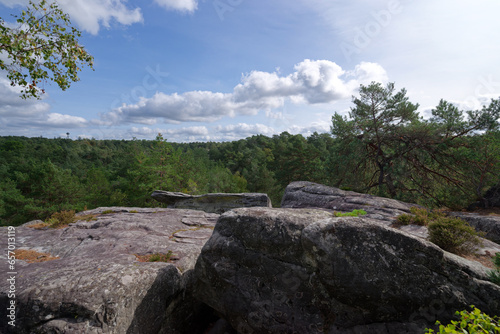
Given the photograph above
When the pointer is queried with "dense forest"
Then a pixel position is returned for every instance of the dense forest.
(382, 147)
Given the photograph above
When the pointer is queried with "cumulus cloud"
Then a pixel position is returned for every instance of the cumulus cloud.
(312, 82)
(89, 15)
(185, 134)
(22, 117)
(241, 130)
(64, 121)
(188, 107)
(180, 5)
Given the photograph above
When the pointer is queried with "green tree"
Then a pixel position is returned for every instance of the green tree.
(447, 160)
(43, 47)
(375, 123)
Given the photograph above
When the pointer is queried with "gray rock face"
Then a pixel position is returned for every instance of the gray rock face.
(490, 225)
(214, 203)
(303, 194)
(306, 271)
(98, 285)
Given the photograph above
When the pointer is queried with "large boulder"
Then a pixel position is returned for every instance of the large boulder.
(489, 224)
(214, 203)
(96, 283)
(307, 271)
(302, 194)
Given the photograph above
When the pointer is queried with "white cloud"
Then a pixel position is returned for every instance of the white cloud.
(367, 72)
(180, 5)
(22, 116)
(13, 3)
(313, 82)
(186, 134)
(188, 107)
(64, 121)
(90, 14)
(306, 131)
(245, 129)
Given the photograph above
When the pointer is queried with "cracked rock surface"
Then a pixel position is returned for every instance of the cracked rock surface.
(98, 285)
(307, 271)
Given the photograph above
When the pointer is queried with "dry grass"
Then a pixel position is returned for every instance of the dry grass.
(39, 226)
(32, 256)
(485, 260)
(488, 212)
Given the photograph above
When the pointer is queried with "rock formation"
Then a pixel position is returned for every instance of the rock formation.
(215, 203)
(490, 225)
(307, 271)
(97, 284)
(312, 195)
(297, 269)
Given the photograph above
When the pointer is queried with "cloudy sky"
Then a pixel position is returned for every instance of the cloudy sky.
(215, 70)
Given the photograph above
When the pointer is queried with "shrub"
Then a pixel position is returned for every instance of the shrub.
(453, 235)
(495, 274)
(474, 322)
(419, 216)
(353, 213)
(61, 219)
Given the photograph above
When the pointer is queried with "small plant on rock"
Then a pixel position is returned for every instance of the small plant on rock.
(353, 213)
(450, 233)
(419, 216)
(473, 322)
(495, 274)
(454, 235)
(157, 257)
(61, 219)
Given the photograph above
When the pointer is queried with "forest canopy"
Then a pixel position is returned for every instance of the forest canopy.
(383, 147)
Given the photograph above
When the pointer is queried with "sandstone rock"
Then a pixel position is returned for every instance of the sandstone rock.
(306, 271)
(98, 285)
(490, 225)
(214, 203)
(303, 194)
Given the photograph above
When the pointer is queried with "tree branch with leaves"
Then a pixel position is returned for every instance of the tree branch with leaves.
(44, 46)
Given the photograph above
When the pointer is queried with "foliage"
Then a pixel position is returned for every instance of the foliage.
(495, 274)
(43, 47)
(157, 257)
(419, 216)
(447, 160)
(450, 233)
(353, 213)
(376, 122)
(473, 322)
(40, 176)
(61, 219)
(453, 235)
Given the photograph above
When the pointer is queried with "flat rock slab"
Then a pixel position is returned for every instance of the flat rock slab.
(214, 203)
(97, 284)
(303, 194)
(307, 271)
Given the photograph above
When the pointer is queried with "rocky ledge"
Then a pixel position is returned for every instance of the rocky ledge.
(216, 203)
(303, 194)
(96, 282)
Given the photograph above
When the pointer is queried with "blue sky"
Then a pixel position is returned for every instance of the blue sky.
(217, 70)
